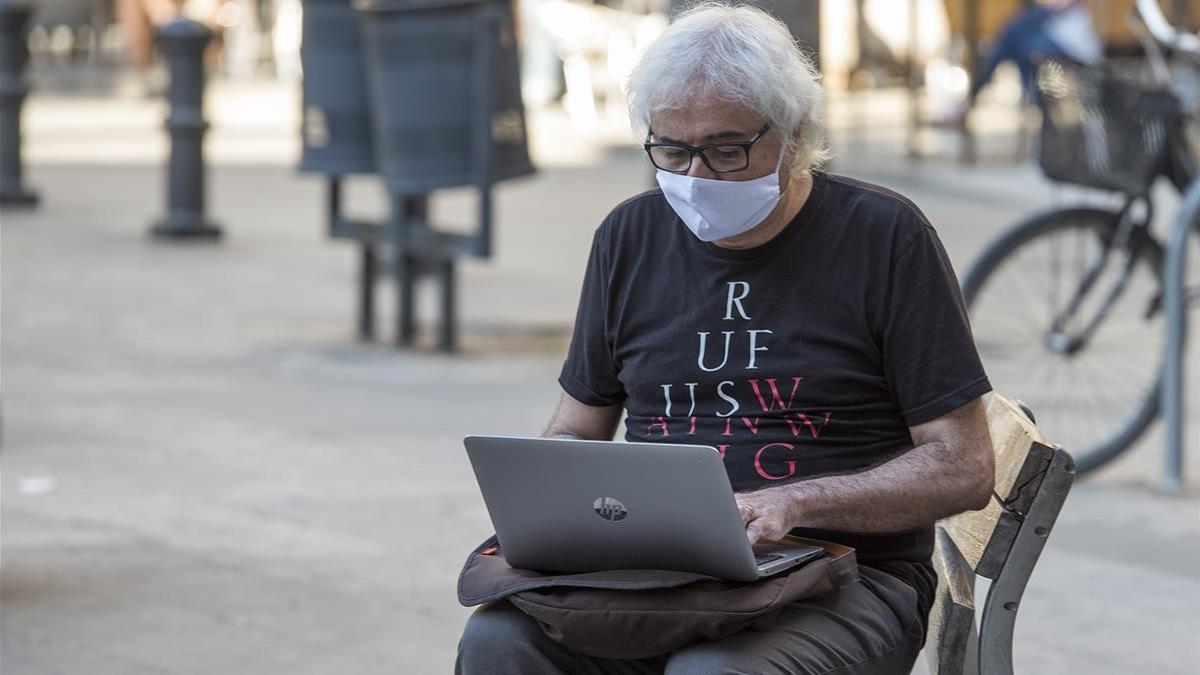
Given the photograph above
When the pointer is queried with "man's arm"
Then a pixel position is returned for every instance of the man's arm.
(573, 419)
(951, 469)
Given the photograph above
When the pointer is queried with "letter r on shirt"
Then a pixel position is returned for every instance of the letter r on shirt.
(732, 299)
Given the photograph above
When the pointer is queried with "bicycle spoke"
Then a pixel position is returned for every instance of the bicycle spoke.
(1055, 268)
(1018, 300)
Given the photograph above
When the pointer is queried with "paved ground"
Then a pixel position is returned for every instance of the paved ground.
(203, 472)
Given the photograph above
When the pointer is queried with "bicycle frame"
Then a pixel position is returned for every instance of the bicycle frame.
(1131, 237)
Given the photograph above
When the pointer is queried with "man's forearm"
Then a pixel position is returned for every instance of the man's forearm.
(572, 419)
(917, 488)
(951, 469)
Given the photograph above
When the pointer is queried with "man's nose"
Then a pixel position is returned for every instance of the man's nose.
(699, 169)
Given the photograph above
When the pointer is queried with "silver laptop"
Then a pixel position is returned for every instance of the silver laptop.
(586, 506)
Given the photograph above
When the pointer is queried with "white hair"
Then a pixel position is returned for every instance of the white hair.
(736, 53)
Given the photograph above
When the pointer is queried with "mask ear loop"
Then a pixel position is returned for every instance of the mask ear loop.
(782, 151)
(779, 165)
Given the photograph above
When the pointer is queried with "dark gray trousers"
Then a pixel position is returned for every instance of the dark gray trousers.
(872, 627)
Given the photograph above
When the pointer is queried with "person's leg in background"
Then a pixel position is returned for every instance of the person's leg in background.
(1022, 39)
(1037, 47)
(1022, 34)
(139, 19)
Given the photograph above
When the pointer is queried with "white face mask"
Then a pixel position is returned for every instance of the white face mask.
(718, 209)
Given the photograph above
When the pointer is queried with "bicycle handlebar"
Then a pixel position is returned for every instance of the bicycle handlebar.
(1163, 32)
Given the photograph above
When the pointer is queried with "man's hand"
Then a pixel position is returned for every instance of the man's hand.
(769, 514)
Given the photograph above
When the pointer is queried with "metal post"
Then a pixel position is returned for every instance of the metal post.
(366, 292)
(967, 138)
(368, 263)
(910, 73)
(183, 43)
(405, 270)
(14, 55)
(408, 212)
(1176, 326)
(333, 204)
(447, 334)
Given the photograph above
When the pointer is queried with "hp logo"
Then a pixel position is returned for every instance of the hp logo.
(609, 509)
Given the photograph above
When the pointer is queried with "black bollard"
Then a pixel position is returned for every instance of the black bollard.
(14, 54)
(183, 42)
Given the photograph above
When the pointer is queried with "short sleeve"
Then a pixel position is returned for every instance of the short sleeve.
(929, 355)
(590, 371)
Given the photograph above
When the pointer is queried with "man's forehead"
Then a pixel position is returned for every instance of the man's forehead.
(713, 122)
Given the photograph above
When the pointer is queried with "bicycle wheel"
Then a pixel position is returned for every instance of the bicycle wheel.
(1086, 358)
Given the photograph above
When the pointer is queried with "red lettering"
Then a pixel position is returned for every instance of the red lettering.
(722, 448)
(659, 422)
(752, 426)
(776, 399)
(791, 463)
(804, 422)
(692, 430)
(728, 422)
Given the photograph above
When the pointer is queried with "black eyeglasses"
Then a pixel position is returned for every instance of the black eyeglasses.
(720, 157)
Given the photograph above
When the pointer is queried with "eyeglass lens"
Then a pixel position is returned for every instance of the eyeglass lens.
(719, 158)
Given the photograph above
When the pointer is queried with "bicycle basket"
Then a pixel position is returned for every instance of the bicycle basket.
(1101, 130)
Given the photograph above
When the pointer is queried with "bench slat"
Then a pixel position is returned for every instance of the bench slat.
(984, 537)
(953, 613)
(1012, 433)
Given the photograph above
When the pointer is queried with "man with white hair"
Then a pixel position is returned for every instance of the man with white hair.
(809, 326)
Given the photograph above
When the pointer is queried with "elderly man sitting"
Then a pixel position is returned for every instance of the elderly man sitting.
(807, 325)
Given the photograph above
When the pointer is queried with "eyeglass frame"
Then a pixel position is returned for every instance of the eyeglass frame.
(694, 150)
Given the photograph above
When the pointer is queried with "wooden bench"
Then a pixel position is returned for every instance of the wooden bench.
(1001, 542)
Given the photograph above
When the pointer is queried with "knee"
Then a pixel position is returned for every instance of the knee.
(706, 658)
(495, 633)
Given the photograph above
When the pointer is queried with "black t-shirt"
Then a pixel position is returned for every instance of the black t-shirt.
(809, 355)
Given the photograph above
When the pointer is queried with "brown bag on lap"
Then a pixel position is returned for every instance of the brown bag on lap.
(633, 614)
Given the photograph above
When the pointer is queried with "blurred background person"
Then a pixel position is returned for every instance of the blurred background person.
(1043, 29)
(236, 25)
(139, 20)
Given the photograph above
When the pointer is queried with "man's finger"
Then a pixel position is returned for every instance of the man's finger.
(747, 513)
(754, 531)
(772, 533)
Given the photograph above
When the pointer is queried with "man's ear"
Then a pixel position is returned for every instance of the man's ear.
(786, 168)
(789, 153)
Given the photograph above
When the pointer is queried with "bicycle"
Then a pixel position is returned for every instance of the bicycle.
(1090, 358)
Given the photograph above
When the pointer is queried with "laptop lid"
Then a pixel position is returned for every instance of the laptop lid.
(578, 506)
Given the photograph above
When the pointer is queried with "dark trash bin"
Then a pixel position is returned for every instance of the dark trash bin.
(443, 78)
(335, 123)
